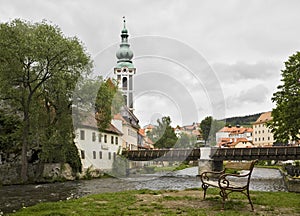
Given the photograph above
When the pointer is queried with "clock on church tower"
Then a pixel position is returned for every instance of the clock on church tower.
(125, 69)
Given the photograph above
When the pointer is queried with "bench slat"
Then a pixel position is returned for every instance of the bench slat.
(238, 165)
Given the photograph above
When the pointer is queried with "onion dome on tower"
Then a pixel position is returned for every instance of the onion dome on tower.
(124, 69)
(124, 54)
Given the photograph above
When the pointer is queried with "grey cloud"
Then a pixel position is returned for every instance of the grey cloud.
(247, 71)
(255, 95)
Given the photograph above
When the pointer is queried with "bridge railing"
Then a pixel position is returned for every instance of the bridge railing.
(261, 153)
(162, 154)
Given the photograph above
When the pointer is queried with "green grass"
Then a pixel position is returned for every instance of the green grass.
(189, 202)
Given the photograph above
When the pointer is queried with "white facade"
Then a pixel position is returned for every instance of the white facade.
(97, 150)
(130, 133)
(235, 133)
(262, 134)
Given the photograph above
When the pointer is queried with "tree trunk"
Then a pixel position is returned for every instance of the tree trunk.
(24, 160)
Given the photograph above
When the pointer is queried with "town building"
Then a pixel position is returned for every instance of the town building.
(262, 134)
(231, 136)
(144, 142)
(235, 143)
(192, 130)
(127, 122)
(234, 132)
(97, 149)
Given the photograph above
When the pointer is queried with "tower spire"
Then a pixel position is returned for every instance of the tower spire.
(124, 22)
(124, 54)
(125, 69)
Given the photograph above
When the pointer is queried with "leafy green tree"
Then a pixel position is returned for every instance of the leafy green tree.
(209, 127)
(36, 60)
(163, 135)
(205, 127)
(99, 97)
(108, 102)
(9, 133)
(286, 116)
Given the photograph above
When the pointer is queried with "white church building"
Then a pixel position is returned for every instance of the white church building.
(98, 150)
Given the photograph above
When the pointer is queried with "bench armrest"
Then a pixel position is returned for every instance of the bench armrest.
(205, 175)
(224, 182)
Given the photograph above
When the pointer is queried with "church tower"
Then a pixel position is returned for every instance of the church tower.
(125, 69)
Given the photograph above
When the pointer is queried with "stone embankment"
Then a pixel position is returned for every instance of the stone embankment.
(37, 173)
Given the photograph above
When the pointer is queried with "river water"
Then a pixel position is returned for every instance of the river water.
(15, 197)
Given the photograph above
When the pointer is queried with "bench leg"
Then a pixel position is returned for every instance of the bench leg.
(248, 195)
(223, 194)
(204, 187)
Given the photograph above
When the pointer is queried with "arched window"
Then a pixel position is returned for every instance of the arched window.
(124, 82)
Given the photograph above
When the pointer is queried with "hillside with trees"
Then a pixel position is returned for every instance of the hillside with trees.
(245, 121)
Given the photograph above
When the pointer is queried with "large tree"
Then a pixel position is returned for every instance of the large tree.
(286, 116)
(39, 68)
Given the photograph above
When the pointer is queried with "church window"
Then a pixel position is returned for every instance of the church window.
(94, 155)
(105, 138)
(124, 83)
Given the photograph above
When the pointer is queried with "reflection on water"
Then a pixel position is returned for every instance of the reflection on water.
(16, 196)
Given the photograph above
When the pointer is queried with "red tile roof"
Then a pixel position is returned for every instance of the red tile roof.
(88, 120)
(264, 117)
(236, 130)
(231, 142)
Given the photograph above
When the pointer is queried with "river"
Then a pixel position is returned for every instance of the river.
(15, 197)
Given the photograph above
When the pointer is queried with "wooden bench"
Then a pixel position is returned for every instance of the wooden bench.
(226, 181)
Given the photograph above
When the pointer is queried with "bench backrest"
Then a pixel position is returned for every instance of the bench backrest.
(238, 165)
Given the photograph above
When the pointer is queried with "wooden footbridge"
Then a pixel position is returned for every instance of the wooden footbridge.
(218, 154)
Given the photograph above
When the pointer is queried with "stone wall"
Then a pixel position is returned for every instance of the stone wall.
(37, 173)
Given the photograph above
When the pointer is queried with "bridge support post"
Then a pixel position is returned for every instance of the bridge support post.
(206, 163)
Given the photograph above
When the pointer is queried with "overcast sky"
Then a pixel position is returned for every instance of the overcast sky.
(193, 58)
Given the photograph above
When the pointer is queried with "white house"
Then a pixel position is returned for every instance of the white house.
(97, 150)
(234, 133)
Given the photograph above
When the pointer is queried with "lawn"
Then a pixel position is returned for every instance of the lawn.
(187, 202)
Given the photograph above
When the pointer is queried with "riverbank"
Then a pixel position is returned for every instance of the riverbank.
(14, 197)
(170, 202)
